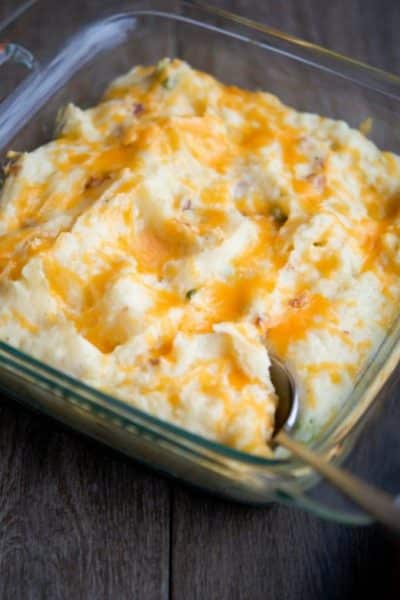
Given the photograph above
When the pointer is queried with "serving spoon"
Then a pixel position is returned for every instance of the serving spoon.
(374, 501)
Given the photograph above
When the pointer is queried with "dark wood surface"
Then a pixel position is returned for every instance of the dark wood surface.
(79, 521)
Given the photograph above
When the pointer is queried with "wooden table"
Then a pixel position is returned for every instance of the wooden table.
(80, 521)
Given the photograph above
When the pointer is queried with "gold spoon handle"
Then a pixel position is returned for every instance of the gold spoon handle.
(375, 502)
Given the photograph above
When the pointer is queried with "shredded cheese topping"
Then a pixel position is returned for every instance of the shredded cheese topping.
(173, 235)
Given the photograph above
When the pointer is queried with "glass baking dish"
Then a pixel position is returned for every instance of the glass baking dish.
(44, 68)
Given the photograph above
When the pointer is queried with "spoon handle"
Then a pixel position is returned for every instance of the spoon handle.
(375, 502)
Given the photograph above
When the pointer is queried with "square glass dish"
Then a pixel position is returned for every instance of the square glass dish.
(44, 69)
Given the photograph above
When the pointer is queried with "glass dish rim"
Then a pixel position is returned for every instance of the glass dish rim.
(16, 360)
(297, 41)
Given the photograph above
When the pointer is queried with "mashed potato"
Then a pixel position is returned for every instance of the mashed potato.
(173, 236)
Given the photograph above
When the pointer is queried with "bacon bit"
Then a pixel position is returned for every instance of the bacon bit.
(299, 302)
(346, 331)
(305, 144)
(260, 322)
(186, 204)
(316, 177)
(263, 322)
(137, 109)
(318, 181)
(241, 187)
(95, 181)
(318, 163)
(154, 361)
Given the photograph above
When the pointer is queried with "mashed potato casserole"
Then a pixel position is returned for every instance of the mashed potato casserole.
(173, 236)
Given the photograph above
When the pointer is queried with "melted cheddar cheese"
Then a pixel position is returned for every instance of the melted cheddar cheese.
(171, 237)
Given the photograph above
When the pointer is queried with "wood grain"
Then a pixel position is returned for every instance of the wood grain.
(222, 551)
(79, 521)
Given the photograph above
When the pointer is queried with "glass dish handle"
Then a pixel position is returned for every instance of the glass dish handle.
(17, 54)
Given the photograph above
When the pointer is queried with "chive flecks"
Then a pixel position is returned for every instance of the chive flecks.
(162, 64)
(161, 72)
(190, 294)
(279, 216)
(168, 83)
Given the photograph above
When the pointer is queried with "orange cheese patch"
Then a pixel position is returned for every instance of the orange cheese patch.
(301, 317)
